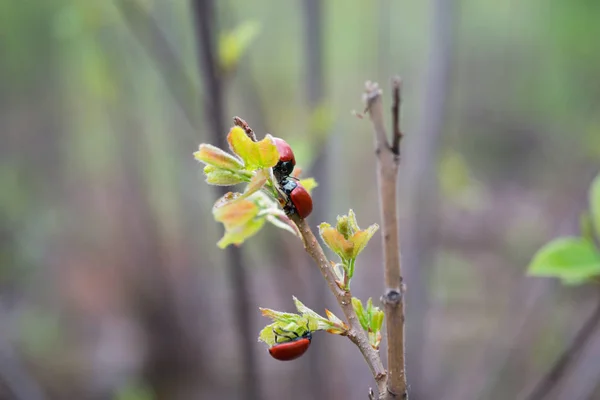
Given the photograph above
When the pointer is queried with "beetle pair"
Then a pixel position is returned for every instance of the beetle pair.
(299, 200)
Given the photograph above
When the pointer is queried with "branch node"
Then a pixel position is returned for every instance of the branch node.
(380, 376)
(392, 297)
(393, 395)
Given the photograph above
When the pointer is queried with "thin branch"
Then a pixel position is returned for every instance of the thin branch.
(344, 298)
(387, 177)
(552, 377)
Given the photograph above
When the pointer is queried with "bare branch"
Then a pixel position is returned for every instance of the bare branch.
(344, 298)
(387, 177)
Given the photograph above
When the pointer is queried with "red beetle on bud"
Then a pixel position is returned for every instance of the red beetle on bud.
(293, 347)
(299, 200)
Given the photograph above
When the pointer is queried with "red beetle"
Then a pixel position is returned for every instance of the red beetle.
(292, 349)
(299, 200)
(287, 161)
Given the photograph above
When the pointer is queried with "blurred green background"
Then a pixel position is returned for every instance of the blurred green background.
(111, 284)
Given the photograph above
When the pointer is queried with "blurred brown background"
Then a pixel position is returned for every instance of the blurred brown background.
(111, 284)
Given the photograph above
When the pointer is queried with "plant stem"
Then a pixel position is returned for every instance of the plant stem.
(344, 298)
(388, 162)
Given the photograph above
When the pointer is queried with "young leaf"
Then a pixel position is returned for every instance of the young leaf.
(361, 238)
(370, 308)
(222, 177)
(570, 258)
(346, 239)
(239, 218)
(352, 224)
(256, 155)
(235, 213)
(336, 241)
(333, 318)
(239, 235)
(377, 320)
(332, 325)
(279, 316)
(595, 204)
(257, 181)
(360, 313)
(214, 156)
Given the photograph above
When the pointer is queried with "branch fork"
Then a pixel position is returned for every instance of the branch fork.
(388, 162)
(391, 384)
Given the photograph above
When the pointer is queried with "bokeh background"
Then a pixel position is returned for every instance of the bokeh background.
(111, 284)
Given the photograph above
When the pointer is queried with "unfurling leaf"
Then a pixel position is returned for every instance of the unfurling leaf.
(360, 313)
(256, 155)
(377, 320)
(332, 325)
(243, 215)
(374, 339)
(222, 177)
(371, 320)
(239, 236)
(336, 241)
(239, 218)
(257, 181)
(333, 318)
(235, 213)
(569, 258)
(361, 239)
(346, 239)
(214, 156)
